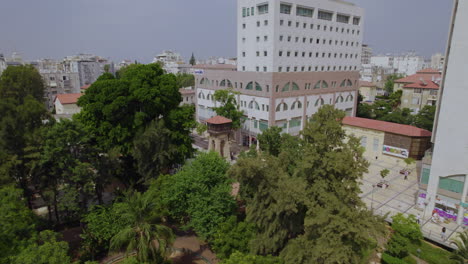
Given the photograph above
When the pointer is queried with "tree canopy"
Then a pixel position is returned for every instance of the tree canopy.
(309, 210)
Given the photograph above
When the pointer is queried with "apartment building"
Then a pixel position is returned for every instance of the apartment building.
(444, 179)
(419, 89)
(293, 57)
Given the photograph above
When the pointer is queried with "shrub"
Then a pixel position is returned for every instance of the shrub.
(387, 259)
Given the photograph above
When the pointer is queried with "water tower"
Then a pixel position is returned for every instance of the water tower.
(219, 129)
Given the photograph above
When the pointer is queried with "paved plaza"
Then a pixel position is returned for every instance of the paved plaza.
(400, 197)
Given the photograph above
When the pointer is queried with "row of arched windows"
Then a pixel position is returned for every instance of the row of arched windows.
(319, 102)
(290, 86)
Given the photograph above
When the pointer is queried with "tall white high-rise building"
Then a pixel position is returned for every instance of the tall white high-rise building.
(293, 57)
(446, 178)
(299, 35)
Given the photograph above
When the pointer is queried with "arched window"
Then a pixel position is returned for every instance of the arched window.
(285, 88)
(317, 85)
(349, 98)
(209, 97)
(258, 87)
(201, 95)
(319, 102)
(349, 82)
(253, 105)
(225, 83)
(249, 86)
(277, 88)
(204, 81)
(295, 87)
(343, 83)
(297, 104)
(339, 99)
(282, 107)
(324, 84)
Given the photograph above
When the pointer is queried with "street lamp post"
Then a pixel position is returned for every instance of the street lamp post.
(424, 210)
(372, 199)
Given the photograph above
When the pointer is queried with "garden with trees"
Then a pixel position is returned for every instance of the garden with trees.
(124, 176)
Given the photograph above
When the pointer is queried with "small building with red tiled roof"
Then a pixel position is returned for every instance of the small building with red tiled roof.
(66, 104)
(388, 141)
(419, 89)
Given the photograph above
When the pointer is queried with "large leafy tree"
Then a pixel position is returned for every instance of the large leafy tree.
(241, 258)
(102, 223)
(17, 225)
(115, 110)
(425, 118)
(22, 114)
(232, 236)
(144, 233)
(47, 250)
(67, 162)
(185, 80)
(228, 106)
(307, 208)
(199, 195)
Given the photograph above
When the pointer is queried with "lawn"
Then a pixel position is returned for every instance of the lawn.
(431, 253)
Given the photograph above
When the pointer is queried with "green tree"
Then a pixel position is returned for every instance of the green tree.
(460, 255)
(310, 212)
(67, 160)
(364, 110)
(399, 116)
(384, 173)
(390, 82)
(185, 80)
(192, 60)
(425, 118)
(240, 258)
(407, 227)
(398, 246)
(274, 201)
(199, 195)
(17, 225)
(228, 106)
(270, 140)
(47, 250)
(232, 236)
(144, 234)
(102, 223)
(116, 110)
(154, 150)
(17, 82)
(23, 113)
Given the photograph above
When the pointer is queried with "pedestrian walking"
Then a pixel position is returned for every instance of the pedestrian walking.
(406, 175)
(443, 233)
(418, 219)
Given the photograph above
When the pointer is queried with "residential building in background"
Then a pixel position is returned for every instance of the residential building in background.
(419, 89)
(445, 178)
(405, 64)
(437, 61)
(366, 54)
(292, 58)
(369, 91)
(3, 63)
(70, 74)
(376, 74)
(388, 142)
(172, 62)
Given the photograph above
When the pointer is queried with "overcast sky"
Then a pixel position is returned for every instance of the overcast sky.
(140, 29)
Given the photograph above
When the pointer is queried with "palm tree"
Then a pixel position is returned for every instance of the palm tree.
(144, 235)
(461, 254)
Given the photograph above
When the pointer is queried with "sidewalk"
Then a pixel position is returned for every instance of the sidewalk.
(400, 197)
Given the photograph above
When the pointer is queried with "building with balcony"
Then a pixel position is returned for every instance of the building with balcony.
(419, 89)
(293, 57)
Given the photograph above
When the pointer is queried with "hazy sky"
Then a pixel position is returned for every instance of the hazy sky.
(140, 29)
